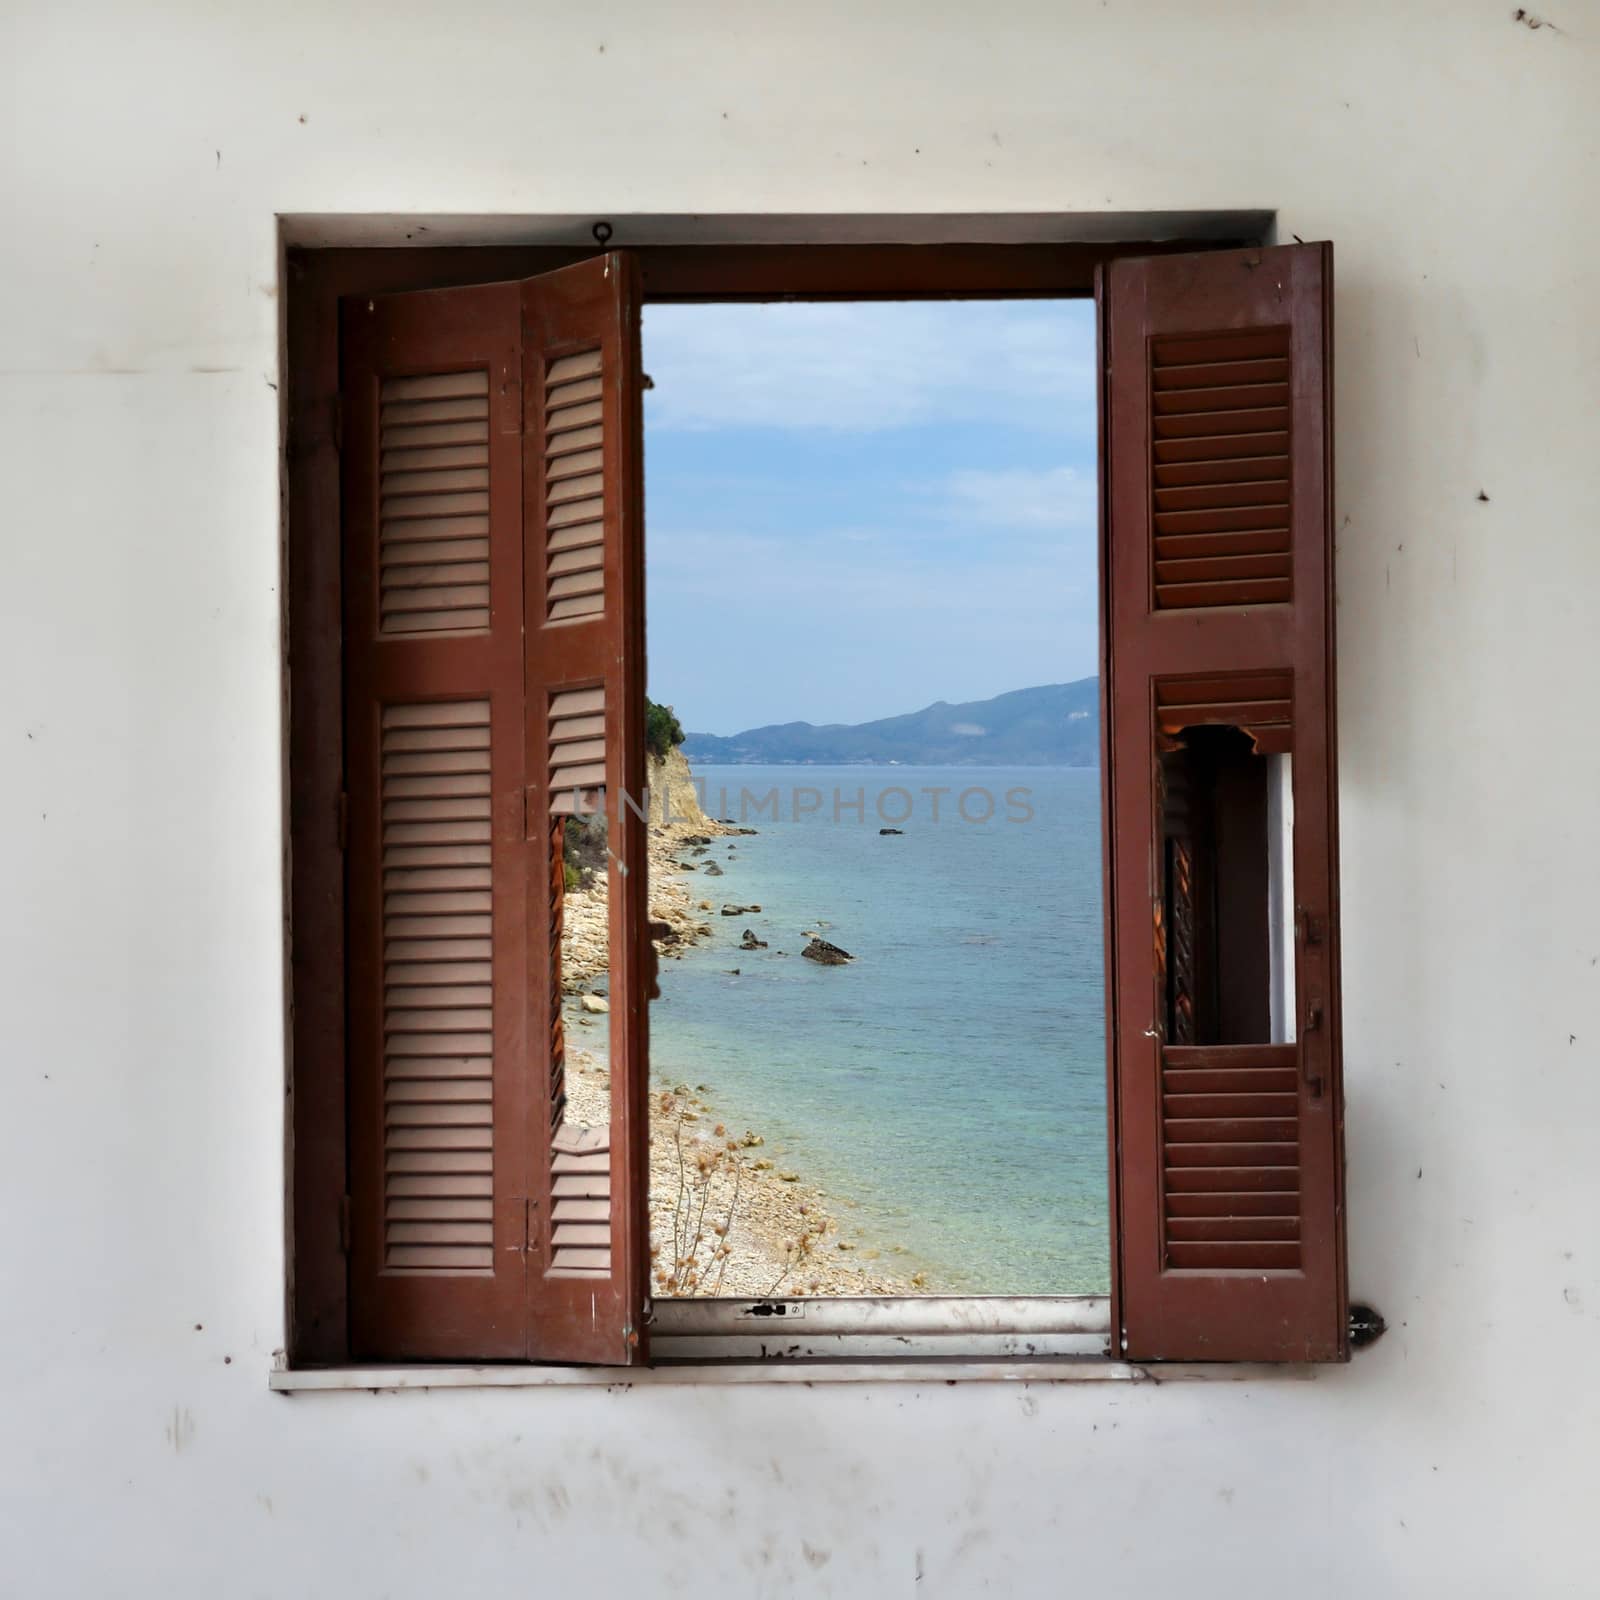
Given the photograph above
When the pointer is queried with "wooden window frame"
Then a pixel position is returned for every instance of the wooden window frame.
(315, 279)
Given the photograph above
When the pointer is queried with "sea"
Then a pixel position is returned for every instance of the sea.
(947, 1087)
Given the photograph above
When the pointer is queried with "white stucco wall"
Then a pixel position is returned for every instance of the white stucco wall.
(1446, 147)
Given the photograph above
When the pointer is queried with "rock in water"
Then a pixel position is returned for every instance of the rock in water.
(882, 831)
(829, 955)
(750, 942)
(713, 870)
(593, 1002)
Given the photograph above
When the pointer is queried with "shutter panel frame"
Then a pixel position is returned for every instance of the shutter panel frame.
(585, 656)
(1202, 1273)
(433, 1286)
(544, 598)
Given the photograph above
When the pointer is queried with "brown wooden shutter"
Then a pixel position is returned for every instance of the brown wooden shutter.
(1219, 619)
(585, 752)
(494, 603)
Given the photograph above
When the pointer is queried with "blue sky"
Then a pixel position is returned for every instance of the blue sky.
(853, 510)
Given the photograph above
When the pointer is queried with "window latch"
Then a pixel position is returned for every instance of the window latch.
(1312, 1023)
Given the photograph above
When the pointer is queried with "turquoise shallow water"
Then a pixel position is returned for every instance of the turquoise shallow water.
(947, 1088)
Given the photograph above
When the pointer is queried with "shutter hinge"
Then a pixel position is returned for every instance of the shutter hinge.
(336, 421)
(344, 1223)
(343, 823)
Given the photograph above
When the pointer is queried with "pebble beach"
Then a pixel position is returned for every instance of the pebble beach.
(729, 1215)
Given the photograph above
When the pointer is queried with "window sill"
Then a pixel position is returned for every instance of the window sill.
(927, 1340)
(946, 1370)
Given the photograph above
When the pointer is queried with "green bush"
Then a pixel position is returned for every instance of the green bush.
(583, 850)
(662, 730)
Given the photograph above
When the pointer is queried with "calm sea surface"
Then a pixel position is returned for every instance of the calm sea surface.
(947, 1088)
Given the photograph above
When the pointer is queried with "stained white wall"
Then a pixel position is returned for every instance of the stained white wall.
(1446, 147)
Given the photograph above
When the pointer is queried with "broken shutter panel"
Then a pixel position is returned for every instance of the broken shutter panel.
(1222, 807)
(437, 865)
(588, 1260)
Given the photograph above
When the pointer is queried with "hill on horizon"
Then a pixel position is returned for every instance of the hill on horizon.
(1053, 725)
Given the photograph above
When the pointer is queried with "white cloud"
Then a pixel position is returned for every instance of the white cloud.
(747, 629)
(831, 576)
(1051, 498)
(866, 366)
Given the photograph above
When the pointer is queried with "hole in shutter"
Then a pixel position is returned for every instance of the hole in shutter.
(1226, 818)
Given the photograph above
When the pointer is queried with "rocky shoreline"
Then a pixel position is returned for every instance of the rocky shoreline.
(727, 1215)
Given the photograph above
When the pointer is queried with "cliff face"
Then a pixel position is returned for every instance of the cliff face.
(585, 928)
(672, 795)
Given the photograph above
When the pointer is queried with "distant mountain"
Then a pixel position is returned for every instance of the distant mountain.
(1055, 725)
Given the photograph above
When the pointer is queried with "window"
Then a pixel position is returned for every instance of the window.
(872, 599)
(481, 682)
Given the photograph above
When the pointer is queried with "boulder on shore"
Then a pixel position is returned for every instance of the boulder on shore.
(593, 1002)
(827, 955)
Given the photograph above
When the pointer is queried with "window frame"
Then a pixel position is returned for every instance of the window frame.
(317, 1210)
